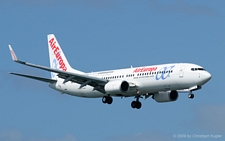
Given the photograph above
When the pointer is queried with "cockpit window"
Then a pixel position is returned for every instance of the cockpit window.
(196, 69)
(201, 69)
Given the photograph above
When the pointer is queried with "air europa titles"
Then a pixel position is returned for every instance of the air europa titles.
(58, 56)
(145, 69)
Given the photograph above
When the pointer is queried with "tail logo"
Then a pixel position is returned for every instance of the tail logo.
(57, 54)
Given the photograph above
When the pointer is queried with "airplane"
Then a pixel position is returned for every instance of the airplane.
(161, 82)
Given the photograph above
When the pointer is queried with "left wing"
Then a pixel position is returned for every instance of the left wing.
(82, 79)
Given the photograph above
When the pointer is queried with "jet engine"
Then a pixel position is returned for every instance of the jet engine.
(166, 96)
(117, 87)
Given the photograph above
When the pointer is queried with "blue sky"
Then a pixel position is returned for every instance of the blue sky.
(100, 35)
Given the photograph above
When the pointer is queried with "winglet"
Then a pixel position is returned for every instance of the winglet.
(13, 54)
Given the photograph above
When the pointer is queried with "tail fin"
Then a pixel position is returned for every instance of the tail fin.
(57, 57)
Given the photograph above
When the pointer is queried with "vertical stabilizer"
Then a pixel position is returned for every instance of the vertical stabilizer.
(57, 58)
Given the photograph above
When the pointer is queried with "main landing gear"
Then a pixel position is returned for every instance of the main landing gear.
(107, 99)
(136, 104)
(191, 95)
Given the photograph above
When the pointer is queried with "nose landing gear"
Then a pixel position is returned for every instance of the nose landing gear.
(107, 99)
(191, 95)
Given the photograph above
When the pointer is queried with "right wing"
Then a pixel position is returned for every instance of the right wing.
(35, 77)
(82, 79)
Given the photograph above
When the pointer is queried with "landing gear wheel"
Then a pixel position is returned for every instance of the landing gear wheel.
(136, 104)
(133, 104)
(104, 99)
(191, 96)
(107, 99)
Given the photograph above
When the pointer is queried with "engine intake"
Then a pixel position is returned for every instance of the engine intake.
(166, 96)
(117, 87)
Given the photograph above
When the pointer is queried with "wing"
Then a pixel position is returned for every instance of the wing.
(82, 79)
(35, 77)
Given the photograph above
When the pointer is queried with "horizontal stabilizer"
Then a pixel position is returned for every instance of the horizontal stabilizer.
(35, 77)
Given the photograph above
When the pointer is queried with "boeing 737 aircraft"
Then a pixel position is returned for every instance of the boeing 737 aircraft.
(161, 82)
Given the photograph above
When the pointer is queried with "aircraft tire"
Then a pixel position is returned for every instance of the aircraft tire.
(191, 96)
(138, 104)
(104, 99)
(109, 100)
(133, 104)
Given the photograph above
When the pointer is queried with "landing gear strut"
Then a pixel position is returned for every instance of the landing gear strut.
(191, 96)
(136, 104)
(107, 99)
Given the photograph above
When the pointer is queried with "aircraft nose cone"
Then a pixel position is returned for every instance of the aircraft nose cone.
(206, 76)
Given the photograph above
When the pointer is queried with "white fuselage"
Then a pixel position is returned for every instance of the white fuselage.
(161, 82)
(146, 79)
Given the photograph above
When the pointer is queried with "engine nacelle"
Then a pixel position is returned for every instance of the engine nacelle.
(117, 87)
(166, 96)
